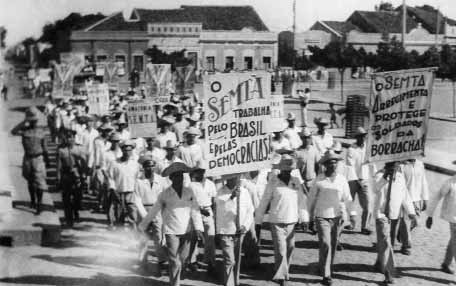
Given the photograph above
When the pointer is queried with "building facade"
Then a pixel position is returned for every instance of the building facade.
(216, 38)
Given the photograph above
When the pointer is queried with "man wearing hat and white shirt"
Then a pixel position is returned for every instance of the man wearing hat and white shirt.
(180, 125)
(325, 200)
(323, 141)
(292, 132)
(279, 141)
(288, 206)
(152, 150)
(359, 176)
(166, 134)
(388, 205)
(123, 174)
(147, 189)
(35, 156)
(307, 159)
(181, 215)
(226, 226)
(191, 152)
(205, 192)
(122, 129)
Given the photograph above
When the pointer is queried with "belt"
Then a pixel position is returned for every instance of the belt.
(30, 156)
(148, 205)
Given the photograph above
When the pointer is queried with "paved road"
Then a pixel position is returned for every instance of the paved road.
(92, 255)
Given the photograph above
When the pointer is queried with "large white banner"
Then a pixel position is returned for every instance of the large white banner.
(237, 109)
(98, 98)
(142, 120)
(400, 104)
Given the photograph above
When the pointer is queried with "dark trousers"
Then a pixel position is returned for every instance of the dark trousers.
(71, 198)
(364, 199)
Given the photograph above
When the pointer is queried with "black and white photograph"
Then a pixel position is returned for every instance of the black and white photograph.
(227, 142)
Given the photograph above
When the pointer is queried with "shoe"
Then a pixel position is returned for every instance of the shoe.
(446, 269)
(339, 247)
(406, 251)
(38, 209)
(388, 281)
(32, 205)
(349, 227)
(327, 281)
(283, 282)
(366, 231)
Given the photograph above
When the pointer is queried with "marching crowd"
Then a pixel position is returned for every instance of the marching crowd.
(157, 186)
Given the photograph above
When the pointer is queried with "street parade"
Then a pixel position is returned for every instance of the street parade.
(189, 169)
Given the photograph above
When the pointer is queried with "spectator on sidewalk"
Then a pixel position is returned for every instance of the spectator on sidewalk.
(35, 156)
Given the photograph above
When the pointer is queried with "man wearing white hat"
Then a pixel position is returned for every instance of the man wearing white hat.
(165, 133)
(231, 234)
(292, 132)
(307, 159)
(191, 152)
(287, 206)
(205, 192)
(180, 125)
(279, 141)
(147, 189)
(181, 215)
(325, 200)
(122, 129)
(35, 156)
(323, 141)
(123, 174)
(359, 176)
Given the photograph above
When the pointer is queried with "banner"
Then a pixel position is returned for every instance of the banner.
(158, 78)
(98, 98)
(185, 79)
(277, 113)
(70, 65)
(44, 75)
(399, 112)
(238, 111)
(142, 121)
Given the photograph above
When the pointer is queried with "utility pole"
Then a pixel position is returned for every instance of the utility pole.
(404, 22)
(437, 27)
(294, 33)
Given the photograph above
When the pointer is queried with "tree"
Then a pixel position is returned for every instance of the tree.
(391, 56)
(430, 58)
(176, 59)
(2, 37)
(385, 6)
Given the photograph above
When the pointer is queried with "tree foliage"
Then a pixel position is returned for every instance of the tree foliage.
(176, 59)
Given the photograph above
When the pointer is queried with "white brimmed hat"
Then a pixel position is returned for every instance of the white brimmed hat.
(287, 163)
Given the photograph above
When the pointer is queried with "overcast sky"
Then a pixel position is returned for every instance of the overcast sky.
(24, 18)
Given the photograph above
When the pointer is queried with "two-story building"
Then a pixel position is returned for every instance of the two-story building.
(215, 37)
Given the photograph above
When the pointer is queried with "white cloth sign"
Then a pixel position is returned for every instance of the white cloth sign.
(238, 111)
(142, 120)
(277, 120)
(399, 113)
(98, 98)
(158, 79)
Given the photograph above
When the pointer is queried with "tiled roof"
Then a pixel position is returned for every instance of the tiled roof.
(211, 17)
(428, 18)
(380, 21)
(341, 27)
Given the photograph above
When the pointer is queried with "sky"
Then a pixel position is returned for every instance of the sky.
(24, 18)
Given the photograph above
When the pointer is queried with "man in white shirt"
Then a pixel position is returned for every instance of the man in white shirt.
(123, 174)
(358, 176)
(180, 126)
(231, 234)
(288, 206)
(417, 186)
(205, 192)
(323, 141)
(122, 128)
(180, 213)
(166, 134)
(279, 141)
(325, 200)
(307, 159)
(191, 152)
(305, 98)
(292, 132)
(391, 195)
(147, 189)
(447, 194)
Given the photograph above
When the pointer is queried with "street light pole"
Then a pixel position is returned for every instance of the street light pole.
(404, 22)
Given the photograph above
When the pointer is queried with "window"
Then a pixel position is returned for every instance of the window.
(189, 30)
(210, 63)
(152, 29)
(184, 29)
(177, 29)
(102, 58)
(165, 29)
(158, 29)
(171, 29)
(267, 62)
(248, 63)
(229, 63)
(138, 62)
(120, 58)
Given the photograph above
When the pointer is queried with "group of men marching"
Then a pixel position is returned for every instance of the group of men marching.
(158, 186)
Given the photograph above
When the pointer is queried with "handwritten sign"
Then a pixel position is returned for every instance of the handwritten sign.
(98, 98)
(158, 79)
(142, 120)
(277, 113)
(399, 113)
(238, 111)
